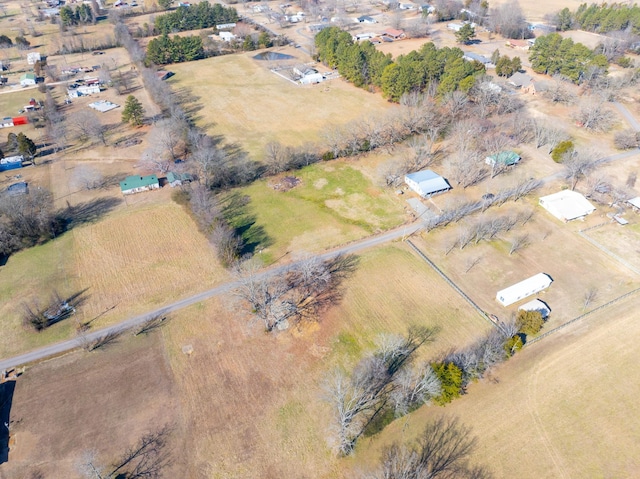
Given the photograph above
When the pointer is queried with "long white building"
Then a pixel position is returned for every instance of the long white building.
(524, 289)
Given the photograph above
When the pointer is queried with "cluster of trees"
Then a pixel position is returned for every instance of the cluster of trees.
(603, 17)
(552, 54)
(82, 15)
(209, 213)
(195, 17)
(19, 144)
(39, 317)
(297, 293)
(27, 220)
(429, 67)
(388, 384)
(505, 66)
(164, 49)
(509, 21)
(379, 382)
(441, 451)
(21, 42)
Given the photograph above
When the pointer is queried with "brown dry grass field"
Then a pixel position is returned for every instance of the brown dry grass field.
(565, 407)
(244, 403)
(246, 103)
(555, 248)
(102, 401)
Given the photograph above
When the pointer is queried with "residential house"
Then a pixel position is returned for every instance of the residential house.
(28, 79)
(524, 289)
(471, 57)
(136, 184)
(518, 44)
(366, 19)
(393, 34)
(506, 158)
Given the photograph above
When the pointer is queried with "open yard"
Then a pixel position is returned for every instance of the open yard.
(565, 407)
(334, 203)
(239, 98)
(554, 248)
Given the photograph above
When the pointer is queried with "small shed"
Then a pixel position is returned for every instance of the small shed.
(427, 183)
(506, 158)
(18, 189)
(11, 163)
(524, 289)
(33, 57)
(567, 205)
(311, 79)
(366, 19)
(28, 79)
(136, 184)
(536, 305)
(176, 179)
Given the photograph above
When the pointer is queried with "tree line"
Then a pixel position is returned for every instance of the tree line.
(388, 383)
(551, 54)
(602, 18)
(430, 67)
(81, 15)
(176, 49)
(195, 17)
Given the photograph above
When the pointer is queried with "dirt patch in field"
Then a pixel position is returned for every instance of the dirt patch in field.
(102, 401)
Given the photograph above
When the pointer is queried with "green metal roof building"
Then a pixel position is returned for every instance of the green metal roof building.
(507, 158)
(136, 184)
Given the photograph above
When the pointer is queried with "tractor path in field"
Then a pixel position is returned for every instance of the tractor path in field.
(398, 233)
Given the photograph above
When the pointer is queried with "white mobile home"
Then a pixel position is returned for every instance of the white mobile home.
(524, 289)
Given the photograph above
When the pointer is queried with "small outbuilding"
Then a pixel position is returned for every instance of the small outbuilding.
(176, 179)
(506, 158)
(136, 184)
(427, 183)
(536, 305)
(524, 289)
(311, 78)
(28, 79)
(366, 19)
(567, 205)
(33, 57)
(11, 163)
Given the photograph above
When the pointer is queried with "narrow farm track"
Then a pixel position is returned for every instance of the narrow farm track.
(354, 247)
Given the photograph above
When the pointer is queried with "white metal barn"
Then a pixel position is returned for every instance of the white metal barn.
(523, 289)
(426, 183)
(536, 305)
(567, 205)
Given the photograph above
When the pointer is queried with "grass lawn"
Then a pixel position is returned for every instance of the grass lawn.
(242, 100)
(335, 203)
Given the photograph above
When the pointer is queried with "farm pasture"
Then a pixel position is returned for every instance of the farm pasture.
(239, 98)
(102, 401)
(335, 203)
(563, 407)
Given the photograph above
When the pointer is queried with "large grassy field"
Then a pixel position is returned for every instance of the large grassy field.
(565, 407)
(253, 400)
(239, 98)
(334, 204)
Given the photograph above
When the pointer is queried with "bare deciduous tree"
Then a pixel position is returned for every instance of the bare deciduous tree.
(578, 164)
(88, 126)
(589, 297)
(518, 243)
(594, 115)
(87, 176)
(441, 451)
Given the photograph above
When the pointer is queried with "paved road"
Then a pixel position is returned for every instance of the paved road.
(395, 234)
(624, 111)
(65, 346)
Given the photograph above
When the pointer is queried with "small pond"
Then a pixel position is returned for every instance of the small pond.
(272, 56)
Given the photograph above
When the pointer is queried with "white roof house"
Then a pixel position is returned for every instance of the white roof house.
(523, 289)
(567, 205)
(33, 57)
(536, 305)
(226, 36)
(426, 183)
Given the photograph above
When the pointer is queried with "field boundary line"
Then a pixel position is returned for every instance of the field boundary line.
(582, 316)
(608, 252)
(451, 283)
